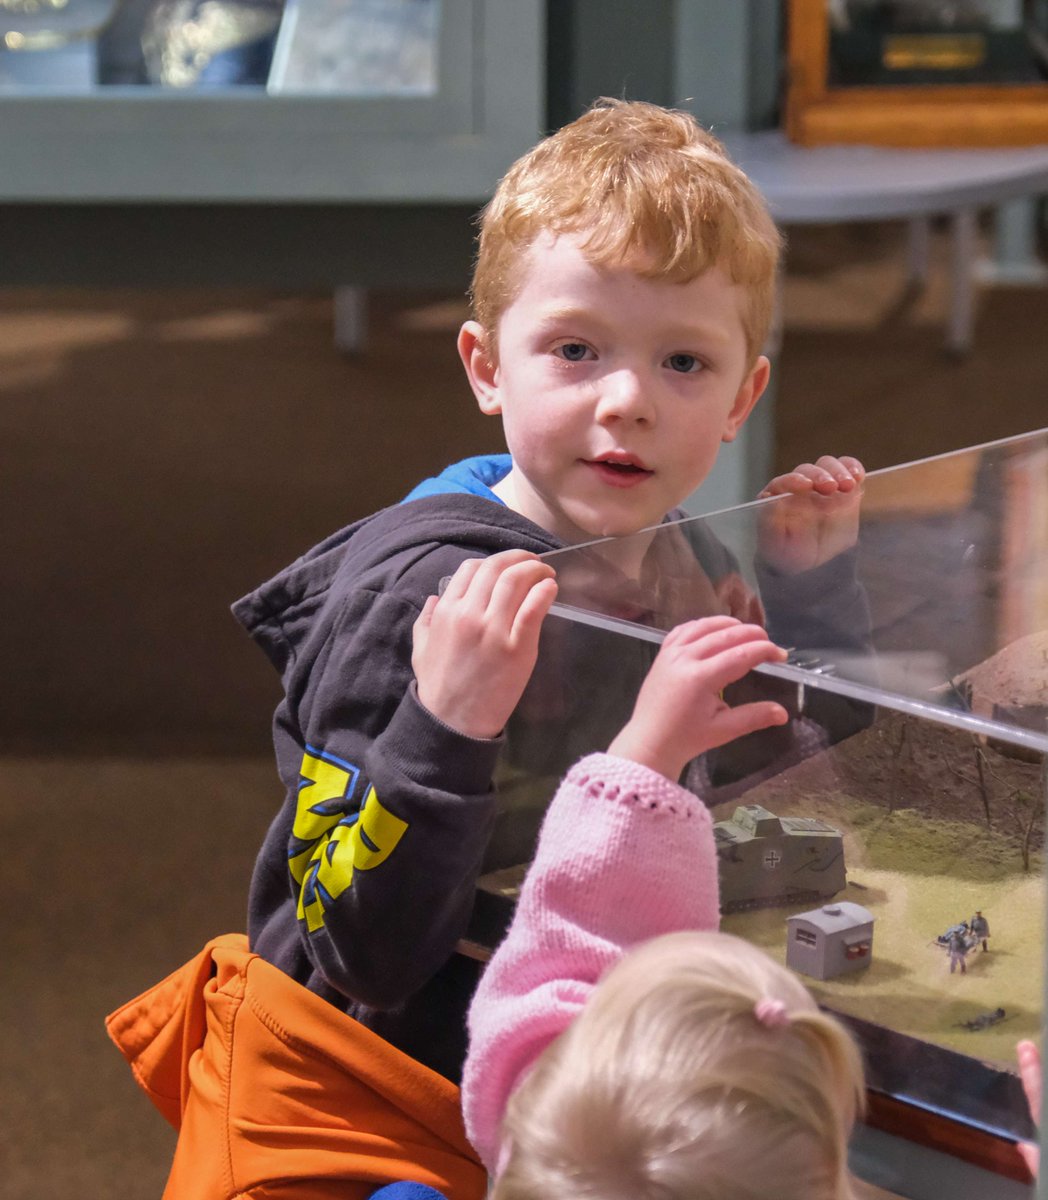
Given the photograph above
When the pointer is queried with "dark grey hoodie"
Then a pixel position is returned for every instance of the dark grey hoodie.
(362, 761)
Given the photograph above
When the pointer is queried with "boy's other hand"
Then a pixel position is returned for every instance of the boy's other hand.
(1030, 1073)
(680, 712)
(475, 646)
(820, 519)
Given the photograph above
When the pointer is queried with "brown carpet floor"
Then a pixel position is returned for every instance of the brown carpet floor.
(163, 453)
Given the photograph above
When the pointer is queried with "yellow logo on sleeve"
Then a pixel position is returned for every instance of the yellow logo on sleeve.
(329, 840)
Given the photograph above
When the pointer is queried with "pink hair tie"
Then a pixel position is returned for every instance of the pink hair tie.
(771, 1013)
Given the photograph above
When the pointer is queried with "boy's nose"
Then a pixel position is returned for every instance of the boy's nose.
(623, 397)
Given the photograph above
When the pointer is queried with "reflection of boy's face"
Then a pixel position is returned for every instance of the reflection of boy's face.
(615, 390)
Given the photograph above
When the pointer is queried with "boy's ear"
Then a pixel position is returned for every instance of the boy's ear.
(750, 391)
(482, 373)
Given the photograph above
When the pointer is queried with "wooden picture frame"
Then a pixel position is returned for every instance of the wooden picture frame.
(957, 115)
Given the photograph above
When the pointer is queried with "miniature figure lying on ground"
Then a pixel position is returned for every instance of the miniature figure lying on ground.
(984, 1020)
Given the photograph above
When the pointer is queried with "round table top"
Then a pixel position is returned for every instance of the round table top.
(843, 182)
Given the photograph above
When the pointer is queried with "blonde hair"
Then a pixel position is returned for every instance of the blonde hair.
(644, 184)
(669, 1087)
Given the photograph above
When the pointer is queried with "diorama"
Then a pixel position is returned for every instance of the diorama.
(942, 845)
(888, 843)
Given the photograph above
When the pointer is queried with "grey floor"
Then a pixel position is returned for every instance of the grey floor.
(164, 452)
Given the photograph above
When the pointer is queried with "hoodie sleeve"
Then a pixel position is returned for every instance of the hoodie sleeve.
(624, 855)
(389, 811)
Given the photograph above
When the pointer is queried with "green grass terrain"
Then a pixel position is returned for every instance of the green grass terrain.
(918, 876)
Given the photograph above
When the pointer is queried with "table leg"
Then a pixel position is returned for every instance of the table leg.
(962, 281)
(918, 250)
(351, 319)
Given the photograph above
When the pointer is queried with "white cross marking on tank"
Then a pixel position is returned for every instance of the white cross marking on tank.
(772, 859)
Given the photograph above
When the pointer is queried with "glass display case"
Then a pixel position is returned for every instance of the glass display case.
(917, 72)
(266, 100)
(888, 842)
(353, 47)
(929, 43)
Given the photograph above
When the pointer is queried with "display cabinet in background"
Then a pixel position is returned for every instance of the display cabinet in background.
(154, 141)
(888, 843)
(917, 72)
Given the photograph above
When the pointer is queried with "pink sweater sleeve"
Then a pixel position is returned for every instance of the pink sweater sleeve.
(624, 855)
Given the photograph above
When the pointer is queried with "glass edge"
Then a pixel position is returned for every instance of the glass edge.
(966, 721)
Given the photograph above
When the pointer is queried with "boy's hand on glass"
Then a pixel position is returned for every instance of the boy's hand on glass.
(1030, 1073)
(680, 712)
(475, 645)
(818, 521)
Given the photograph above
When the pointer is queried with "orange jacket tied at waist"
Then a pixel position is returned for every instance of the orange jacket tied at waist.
(278, 1094)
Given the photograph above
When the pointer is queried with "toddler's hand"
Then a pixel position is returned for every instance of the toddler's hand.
(475, 646)
(1030, 1073)
(820, 519)
(680, 712)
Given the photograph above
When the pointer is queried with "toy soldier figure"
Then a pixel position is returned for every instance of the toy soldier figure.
(980, 928)
(957, 947)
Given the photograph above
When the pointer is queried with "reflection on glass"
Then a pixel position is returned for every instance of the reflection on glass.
(194, 43)
(27, 25)
(51, 43)
(358, 47)
(881, 43)
(888, 842)
(362, 48)
(951, 555)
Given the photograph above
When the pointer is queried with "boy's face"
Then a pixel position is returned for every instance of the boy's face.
(615, 391)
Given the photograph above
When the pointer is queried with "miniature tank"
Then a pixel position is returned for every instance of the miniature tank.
(765, 860)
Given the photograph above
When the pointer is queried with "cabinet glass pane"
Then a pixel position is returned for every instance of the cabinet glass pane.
(352, 48)
(888, 842)
(358, 47)
(952, 553)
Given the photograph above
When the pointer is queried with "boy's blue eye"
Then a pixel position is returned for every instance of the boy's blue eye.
(684, 363)
(574, 351)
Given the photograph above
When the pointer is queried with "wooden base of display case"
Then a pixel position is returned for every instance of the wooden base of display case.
(955, 118)
(975, 1111)
(938, 1132)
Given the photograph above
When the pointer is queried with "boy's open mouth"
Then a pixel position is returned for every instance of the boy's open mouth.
(619, 470)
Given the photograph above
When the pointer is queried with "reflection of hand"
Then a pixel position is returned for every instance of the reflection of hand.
(820, 518)
(475, 646)
(739, 599)
(680, 711)
(1030, 1073)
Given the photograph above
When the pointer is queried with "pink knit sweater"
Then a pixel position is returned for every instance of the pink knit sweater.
(624, 855)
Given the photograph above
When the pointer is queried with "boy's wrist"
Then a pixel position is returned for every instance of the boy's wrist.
(469, 722)
(461, 726)
(422, 748)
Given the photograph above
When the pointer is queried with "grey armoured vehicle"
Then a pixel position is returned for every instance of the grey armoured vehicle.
(766, 860)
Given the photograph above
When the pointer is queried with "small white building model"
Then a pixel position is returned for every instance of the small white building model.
(831, 940)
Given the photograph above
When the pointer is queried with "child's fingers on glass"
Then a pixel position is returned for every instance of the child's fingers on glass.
(690, 631)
